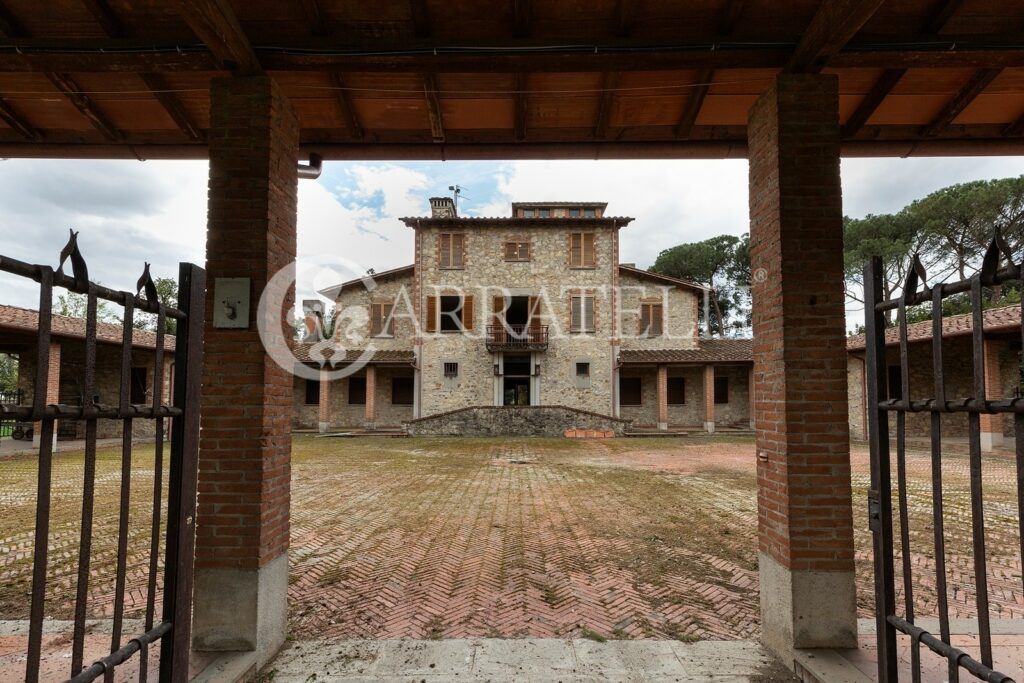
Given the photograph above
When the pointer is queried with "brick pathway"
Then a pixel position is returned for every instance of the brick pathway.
(419, 538)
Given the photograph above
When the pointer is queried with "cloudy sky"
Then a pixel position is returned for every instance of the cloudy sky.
(129, 211)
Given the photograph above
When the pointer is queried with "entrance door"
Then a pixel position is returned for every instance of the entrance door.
(516, 380)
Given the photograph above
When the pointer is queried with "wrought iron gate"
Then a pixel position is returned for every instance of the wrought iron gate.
(936, 402)
(172, 629)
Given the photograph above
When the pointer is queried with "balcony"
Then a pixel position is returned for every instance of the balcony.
(517, 338)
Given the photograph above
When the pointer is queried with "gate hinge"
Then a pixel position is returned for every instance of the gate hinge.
(874, 512)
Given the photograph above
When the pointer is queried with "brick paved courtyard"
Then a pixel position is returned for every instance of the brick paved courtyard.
(422, 538)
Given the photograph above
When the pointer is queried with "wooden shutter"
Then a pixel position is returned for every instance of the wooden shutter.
(376, 321)
(431, 321)
(576, 315)
(458, 250)
(467, 313)
(657, 319)
(389, 322)
(589, 257)
(588, 313)
(445, 242)
(576, 249)
(534, 304)
(645, 318)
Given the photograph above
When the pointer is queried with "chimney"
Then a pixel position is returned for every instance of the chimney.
(313, 314)
(442, 207)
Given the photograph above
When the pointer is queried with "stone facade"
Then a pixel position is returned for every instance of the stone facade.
(532, 267)
(550, 421)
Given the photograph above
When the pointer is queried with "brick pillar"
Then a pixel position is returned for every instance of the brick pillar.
(803, 451)
(750, 394)
(324, 412)
(992, 425)
(709, 398)
(241, 577)
(52, 393)
(371, 396)
(663, 397)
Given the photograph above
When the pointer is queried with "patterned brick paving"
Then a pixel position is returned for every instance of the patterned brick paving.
(420, 538)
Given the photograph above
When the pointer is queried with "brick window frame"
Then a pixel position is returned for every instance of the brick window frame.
(581, 251)
(451, 250)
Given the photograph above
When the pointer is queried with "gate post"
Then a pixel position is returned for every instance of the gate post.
(805, 521)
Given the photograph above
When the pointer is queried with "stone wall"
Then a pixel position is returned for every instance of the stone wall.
(957, 371)
(680, 310)
(550, 421)
(352, 416)
(690, 414)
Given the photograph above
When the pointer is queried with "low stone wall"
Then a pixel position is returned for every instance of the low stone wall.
(514, 421)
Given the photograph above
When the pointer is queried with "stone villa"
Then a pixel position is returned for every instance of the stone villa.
(529, 310)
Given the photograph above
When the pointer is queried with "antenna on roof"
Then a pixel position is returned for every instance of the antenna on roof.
(456, 191)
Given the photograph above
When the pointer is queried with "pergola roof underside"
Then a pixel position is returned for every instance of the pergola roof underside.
(642, 85)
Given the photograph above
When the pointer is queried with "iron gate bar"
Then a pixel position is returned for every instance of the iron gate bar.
(88, 486)
(127, 328)
(78, 413)
(901, 483)
(108, 663)
(880, 496)
(41, 543)
(938, 511)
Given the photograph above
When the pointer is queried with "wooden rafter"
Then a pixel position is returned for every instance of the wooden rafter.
(520, 103)
(116, 28)
(604, 109)
(9, 24)
(84, 104)
(17, 122)
(348, 110)
(729, 16)
(420, 18)
(934, 23)
(832, 27)
(1015, 129)
(215, 23)
(625, 14)
(974, 87)
(433, 107)
(694, 103)
(521, 18)
(318, 25)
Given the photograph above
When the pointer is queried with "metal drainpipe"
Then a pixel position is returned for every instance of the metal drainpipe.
(312, 170)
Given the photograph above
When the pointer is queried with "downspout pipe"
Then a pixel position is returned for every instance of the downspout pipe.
(312, 170)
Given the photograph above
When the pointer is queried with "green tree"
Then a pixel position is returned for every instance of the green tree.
(167, 294)
(8, 372)
(722, 264)
(75, 305)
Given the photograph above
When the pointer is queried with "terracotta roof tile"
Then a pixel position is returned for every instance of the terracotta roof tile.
(352, 355)
(1005, 318)
(709, 351)
(14, 318)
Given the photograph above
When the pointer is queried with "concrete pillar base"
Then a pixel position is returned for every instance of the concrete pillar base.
(242, 609)
(323, 427)
(990, 441)
(663, 426)
(805, 608)
(709, 427)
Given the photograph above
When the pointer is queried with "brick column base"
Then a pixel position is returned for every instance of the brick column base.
(805, 523)
(663, 397)
(371, 397)
(992, 425)
(241, 575)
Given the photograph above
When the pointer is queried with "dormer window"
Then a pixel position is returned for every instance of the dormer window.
(527, 213)
(574, 213)
(590, 213)
(544, 213)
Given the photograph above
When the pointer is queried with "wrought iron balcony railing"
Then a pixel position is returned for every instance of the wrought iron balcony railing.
(517, 338)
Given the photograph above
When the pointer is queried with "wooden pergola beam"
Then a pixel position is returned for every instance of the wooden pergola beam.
(17, 122)
(834, 24)
(694, 104)
(106, 18)
(84, 104)
(433, 107)
(214, 22)
(879, 91)
(9, 24)
(625, 14)
(520, 103)
(318, 25)
(420, 18)
(974, 87)
(941, 14)
(1015, 129)
(520, 18)
(348, 110)
(604, 109)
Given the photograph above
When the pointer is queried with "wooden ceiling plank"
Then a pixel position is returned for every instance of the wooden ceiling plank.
(84, 104)
(348, 110)
(420, 18)
(1015, 129)
(520, 97)
(214, 22)
(604, 109)
(106, 18)
(9, 24)
(941, 14)
(433, 107)
(833, 25)
(879, 91)
(729, 16)
(974, 87)
(625, 15)
(17, 122)
(318, 25)
(521, 18)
